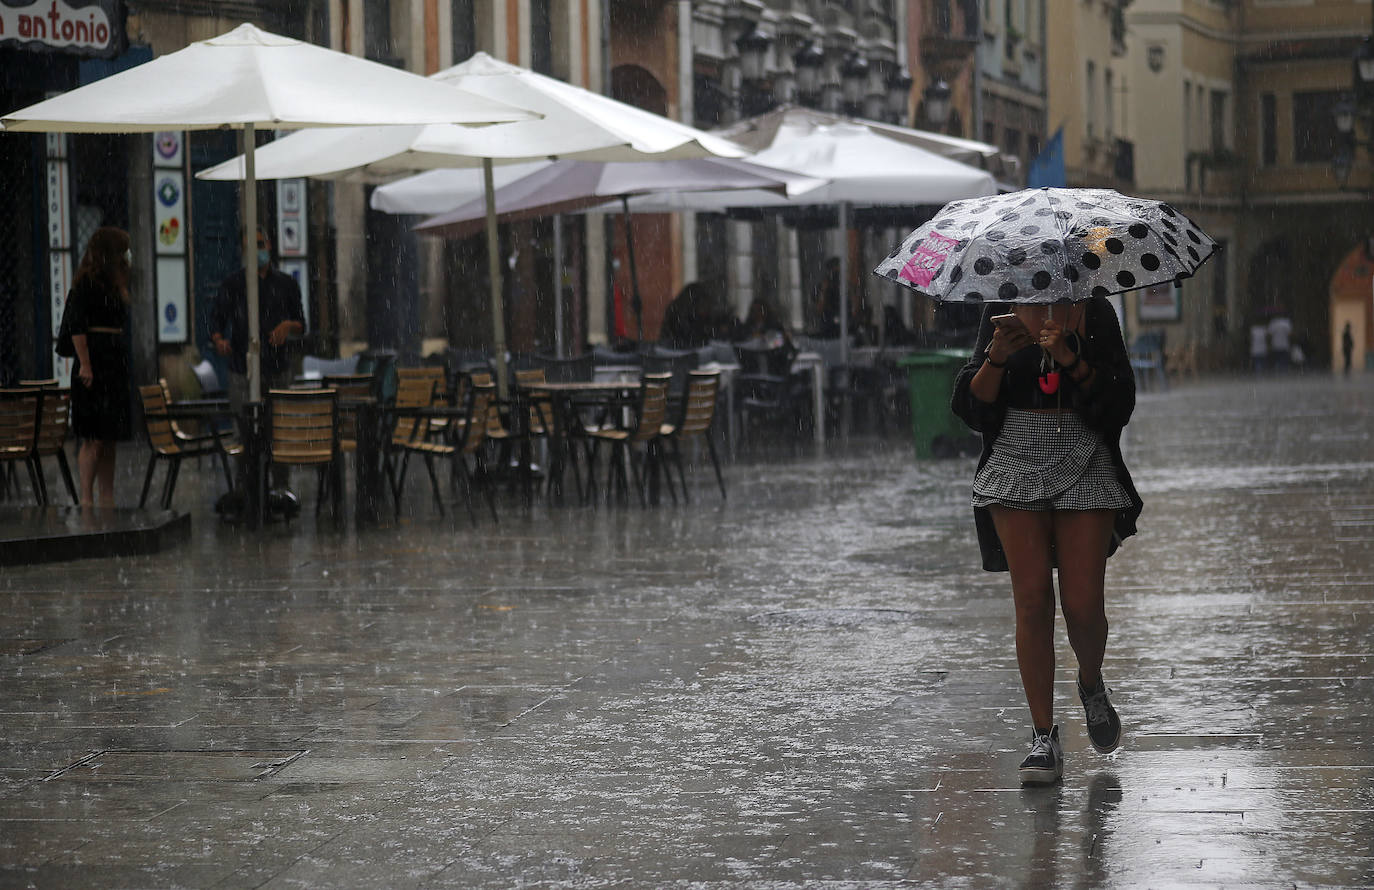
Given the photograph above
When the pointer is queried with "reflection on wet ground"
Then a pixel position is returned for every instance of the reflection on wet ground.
(811, 682)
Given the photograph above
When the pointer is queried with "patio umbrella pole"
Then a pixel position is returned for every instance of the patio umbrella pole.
(843, 380)
(498, 318)
(636, 302)
(558, 285)
(250, 261)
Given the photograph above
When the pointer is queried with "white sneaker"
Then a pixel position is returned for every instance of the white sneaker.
(1044, 765)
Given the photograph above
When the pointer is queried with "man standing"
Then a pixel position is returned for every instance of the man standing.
(1280, 342)
(280, 315)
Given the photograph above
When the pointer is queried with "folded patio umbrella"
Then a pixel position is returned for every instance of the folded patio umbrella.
(250, 78)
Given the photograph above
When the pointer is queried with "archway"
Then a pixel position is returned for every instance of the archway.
(1352, 302)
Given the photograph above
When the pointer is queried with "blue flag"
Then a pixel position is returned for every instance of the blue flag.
(1047, 168)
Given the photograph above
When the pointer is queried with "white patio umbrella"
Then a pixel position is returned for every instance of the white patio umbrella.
(576, 123)
(858, 166)
(568, 186)
(250, 78)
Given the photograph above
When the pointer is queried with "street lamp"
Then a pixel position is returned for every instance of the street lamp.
(935, 100)
(1344, 112)
(1364, 70)
(853, 81)
(753, 53)
(808, 61)
(898, 95)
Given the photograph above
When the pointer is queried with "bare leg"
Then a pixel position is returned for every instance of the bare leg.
(1026, 537)
(1083, 538)
(87, 460)
(105, 472)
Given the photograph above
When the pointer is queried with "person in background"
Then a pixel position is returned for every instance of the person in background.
(97, 313)
(280, 316)
(762, 323)
(1347, 346)
(1259, 347)
(1280, 342)
(827, 304)
(689, 320)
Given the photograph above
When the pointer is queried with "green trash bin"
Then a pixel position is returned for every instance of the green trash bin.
(930, 377)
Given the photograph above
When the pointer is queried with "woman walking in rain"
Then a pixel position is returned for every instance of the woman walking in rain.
(1050, 389)
(96, 313)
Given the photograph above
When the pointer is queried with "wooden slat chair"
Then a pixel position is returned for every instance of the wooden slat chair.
(469, 437)
(303, 431)
(8, 476)
(410, 435)
(54, 415)
(183, 436)
(694, 422)
(349, 386)
(438, 426)
(650, 412)
(164, 446)
(19, 420)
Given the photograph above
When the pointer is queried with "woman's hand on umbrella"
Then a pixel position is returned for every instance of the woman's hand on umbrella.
(1008, 339)
(1052, 340)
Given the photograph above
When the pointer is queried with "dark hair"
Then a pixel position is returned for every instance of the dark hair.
(103, 264)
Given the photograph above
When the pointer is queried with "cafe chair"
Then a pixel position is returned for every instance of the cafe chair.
(410, 435)
(644, 430)
(19, 423)
(163, 445)
(693, 421)
(182, 436)
(468, 438)
(576, 369)
(303, 431)
(54, 414)
(436, 374)
(764, 388)
(353, 387)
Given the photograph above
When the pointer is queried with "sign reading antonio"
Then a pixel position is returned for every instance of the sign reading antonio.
(88, 29)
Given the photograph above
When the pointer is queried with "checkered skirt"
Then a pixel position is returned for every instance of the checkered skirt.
(1049, 462)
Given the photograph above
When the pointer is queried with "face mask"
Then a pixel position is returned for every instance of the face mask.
(264, 257)
(129, 256)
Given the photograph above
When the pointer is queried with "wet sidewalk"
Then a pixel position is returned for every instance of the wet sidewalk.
(812, 682)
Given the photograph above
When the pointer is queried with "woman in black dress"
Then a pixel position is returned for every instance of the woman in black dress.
(96, 314)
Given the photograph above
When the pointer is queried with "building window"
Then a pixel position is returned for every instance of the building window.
(541, 37)
(377, 31)
(1011, 139)
(464, 30)
(1220, 133)
(990, 132)
(1269, 130)
(1109, 104)
(1314, 126)
(1090, 100)
(1187, 117)
(1032, 146)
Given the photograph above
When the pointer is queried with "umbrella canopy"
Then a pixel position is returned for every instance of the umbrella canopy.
(568, 186)
(761, 132)
(858, 166)
(439, 191)
(250, 78)
(575, 123)
(1046, 245)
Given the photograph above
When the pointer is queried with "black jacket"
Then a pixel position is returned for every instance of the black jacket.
(279, 300)
(1106, 406)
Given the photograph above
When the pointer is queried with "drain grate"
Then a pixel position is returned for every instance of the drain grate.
(29, 647)
(189, 765)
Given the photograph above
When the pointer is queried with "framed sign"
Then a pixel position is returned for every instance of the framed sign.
(79, 27)
(1159, 302)
(169, 211)
(171, 300)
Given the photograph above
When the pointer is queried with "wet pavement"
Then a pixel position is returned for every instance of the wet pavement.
(811, 683)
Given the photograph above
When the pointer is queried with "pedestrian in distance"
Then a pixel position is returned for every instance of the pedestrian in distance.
(280, 317)
(1050, 389)
(96, 315)
(1280, 343)
(1347, 346)
(1259, 348)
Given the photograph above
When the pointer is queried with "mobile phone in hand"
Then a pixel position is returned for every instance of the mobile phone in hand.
(1008, 319)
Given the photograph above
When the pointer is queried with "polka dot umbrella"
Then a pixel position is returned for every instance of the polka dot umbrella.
(1046, 245)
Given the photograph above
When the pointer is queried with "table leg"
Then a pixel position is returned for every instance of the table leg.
(818, 400)
(367, 466)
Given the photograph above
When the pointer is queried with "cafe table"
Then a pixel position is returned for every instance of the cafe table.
(566, 398)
